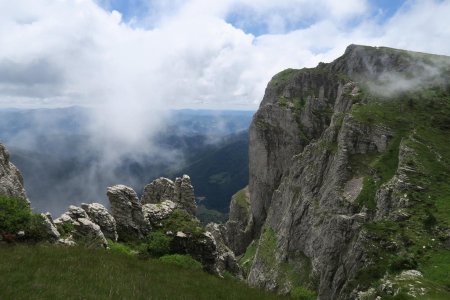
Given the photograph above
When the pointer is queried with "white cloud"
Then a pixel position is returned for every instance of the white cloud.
(192, 55)
(185, 54)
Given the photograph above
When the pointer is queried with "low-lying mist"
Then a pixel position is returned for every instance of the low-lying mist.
(408, 72)
(68, 157)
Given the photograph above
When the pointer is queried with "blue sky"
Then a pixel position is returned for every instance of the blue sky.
(141, 10)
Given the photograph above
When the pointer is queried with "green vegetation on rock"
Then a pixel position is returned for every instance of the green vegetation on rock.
(241, 198)
(419, 121)
(157, 244)
(267, 247)
(246, 260)
(302, 293)
(180, 220)
(281, 77)
(15, 214)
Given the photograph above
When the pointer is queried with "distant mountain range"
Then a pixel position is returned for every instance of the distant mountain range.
(52, 148)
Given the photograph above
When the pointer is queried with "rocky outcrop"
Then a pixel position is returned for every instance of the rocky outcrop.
(304, 176)
(89, 234)
(133, 220)
(11, 181)
(184, 194)
(99, 215)
(226, 260)
(77, 227)
(202, 248)
(154, 213)
(127, 211)
(159, 190)
(239, 227)
(50, 228)
(180, 192)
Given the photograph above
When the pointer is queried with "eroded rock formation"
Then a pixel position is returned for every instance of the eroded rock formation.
(305, 142)
(11, 181)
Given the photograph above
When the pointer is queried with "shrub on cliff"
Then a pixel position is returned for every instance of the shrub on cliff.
(15, 216)
(157, 244)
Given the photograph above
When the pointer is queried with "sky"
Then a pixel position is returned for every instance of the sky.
(132, 62)
(136, 55)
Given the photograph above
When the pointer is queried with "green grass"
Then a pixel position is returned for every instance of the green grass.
(437, 268)
(121, 248)
(15, 214)
(283, 76)
(378, 168)
(180, 220)
(246, 260)
(268, 246)
(49, 272)
(421, 121)
(184, 261)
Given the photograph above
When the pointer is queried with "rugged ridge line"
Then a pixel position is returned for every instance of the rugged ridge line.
(302, 188)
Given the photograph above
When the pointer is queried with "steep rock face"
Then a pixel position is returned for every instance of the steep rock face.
(226, 260)
(184, 194)
(309, 218)
(127, 211)
(11, 181)
(239, 227)
(305, 183)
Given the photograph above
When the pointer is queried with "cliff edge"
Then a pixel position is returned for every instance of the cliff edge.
(348, 163)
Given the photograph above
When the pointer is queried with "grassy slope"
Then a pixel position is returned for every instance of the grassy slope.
(422, 121)
(48, 272)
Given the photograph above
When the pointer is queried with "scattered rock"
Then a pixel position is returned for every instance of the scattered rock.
(159, 190)
(226, 260)
(89, 234)
(99, 215)
(127, 211)
(181, 234)
(76, 212)
(67, 242)
(154, 213)
(409, 275)
(184, 194)
(50, 228)
(201, 247)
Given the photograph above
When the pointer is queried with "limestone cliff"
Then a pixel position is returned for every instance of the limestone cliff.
(11, 181)
(333, 154)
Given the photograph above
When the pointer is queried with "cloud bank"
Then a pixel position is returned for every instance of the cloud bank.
(131, 68)
(192, 53)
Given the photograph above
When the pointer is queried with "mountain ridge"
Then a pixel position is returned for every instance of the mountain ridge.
(329, 151)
